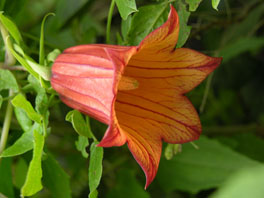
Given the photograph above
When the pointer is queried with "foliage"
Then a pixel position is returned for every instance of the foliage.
(42, 155)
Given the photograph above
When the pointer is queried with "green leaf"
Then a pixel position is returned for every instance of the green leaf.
(243, 184)
(44, 72)
(23, 119)
(55, 178)
(20, 101)
(215, 4)
(146, 20)
(93, 194)
(20, 173)
(20, 59)
(192, 169)
(125, 27)
(53, 55)
(193, 4)
(8, 80)
(244, 28)
(65, 9)
(78, 123)
(185, 30)
(128, 185)
(81, 145)
(41, 100)
(1, 101)
(95, 166)
(11, 28)
(240, 46)
(126, 7)
(41, 40)
(33, 180)
(6, 185)
(23, 144)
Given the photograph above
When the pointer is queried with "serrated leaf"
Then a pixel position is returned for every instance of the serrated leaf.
(126, 7)
(215, 4)
(194, 168)
(23, 144)
(243, 184)
(193, 4)
(11, 28)
(55, 179)
(95, 166)
(8, 80)
(21, 101)
(146, 20)
(6, 184)
(82, 144)
(33, 180)
(78, 123)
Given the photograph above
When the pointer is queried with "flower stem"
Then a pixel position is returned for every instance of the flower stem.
(6, 125)
(109, 20)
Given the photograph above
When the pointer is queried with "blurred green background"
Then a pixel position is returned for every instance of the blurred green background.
(230, 156)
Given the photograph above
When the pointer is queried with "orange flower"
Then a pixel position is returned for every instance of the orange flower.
(138, 91)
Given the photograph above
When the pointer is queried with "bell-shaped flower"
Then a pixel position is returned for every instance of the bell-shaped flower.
(138, 91)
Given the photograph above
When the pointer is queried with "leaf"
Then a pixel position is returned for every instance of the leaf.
(53, 55)
(78, 123)
(95, 166)
(23, 144)
(147, 19)
(208, 167)
(20, 101)
(243, 184)
(193, 4)
(171, 150)
(55, 178)
(244, 28)
(126, 7)
(185, 30)
(215, 4)
(8, 80)
(6, 185)
(1, 101)
(240, 46)
(41, 40)
(81, 145)
(33, 180)
(128, 185)
(20, 173)
(43, 71)
(65, 9)
(23, 119)
(21, 60)
(125, 27)
(11, 28)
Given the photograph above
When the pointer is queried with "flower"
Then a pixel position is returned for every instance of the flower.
(137, 90)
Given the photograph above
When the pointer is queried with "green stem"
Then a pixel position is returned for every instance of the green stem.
(206, 92)
(6, 125)
(109, 20)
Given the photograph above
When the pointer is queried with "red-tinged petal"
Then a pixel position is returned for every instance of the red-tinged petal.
(150, 105)
(163, 38)
(85, 77)
(157, 110)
